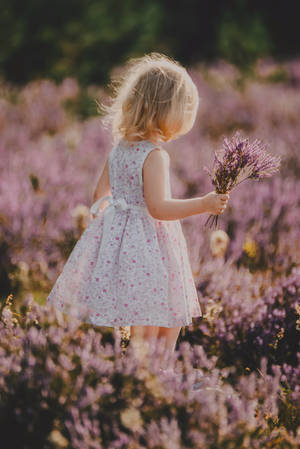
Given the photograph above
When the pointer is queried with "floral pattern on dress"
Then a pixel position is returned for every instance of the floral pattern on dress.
(142, 275)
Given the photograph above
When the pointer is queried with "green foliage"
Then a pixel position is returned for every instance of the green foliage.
(278, 76)
(83, 106)
(87, 38)
(242, 41)
(73, 38)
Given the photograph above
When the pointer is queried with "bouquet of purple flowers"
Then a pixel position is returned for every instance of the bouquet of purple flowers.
(237, 161)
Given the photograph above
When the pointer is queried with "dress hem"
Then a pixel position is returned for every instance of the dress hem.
(139, 323)
(145, 324)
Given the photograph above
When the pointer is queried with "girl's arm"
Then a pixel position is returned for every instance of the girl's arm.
(163, 208)
(103, 184)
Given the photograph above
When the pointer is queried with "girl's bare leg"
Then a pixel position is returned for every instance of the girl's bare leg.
(140, 337)
(169, 336)
(144, 331)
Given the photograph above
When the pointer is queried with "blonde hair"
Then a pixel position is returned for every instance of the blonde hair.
(155, 99)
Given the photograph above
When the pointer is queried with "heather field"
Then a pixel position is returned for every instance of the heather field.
(65, 384)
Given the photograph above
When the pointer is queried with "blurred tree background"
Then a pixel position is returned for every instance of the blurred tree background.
(87, 38)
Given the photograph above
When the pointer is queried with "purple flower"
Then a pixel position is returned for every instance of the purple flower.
(237, 161)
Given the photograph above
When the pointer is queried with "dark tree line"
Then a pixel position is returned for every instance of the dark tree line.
(86, 38)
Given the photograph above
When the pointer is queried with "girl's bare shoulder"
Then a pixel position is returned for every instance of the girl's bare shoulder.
(160, 153)
(156, 163)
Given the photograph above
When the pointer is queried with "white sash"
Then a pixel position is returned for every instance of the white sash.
(109, 213)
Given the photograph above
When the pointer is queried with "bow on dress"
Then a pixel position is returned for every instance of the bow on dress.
(109, 212)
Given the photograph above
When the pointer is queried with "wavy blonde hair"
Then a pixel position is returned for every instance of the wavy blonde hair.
(154, 99)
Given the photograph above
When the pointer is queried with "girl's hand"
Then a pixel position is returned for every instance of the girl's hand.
(215, 203)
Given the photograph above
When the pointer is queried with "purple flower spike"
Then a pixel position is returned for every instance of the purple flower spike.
(237, 161)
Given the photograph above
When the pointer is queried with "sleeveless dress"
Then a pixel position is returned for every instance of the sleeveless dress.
(128, 268)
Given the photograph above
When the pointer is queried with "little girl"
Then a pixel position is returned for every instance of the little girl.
(130, 266)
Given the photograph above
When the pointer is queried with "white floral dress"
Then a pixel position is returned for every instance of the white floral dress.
(128, 268)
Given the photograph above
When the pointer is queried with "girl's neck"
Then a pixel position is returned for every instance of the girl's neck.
(136, 141)
(139, 141)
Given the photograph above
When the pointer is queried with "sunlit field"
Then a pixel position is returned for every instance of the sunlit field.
(69, 384)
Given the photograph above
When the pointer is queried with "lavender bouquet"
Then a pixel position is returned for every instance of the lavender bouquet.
(237, 161)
